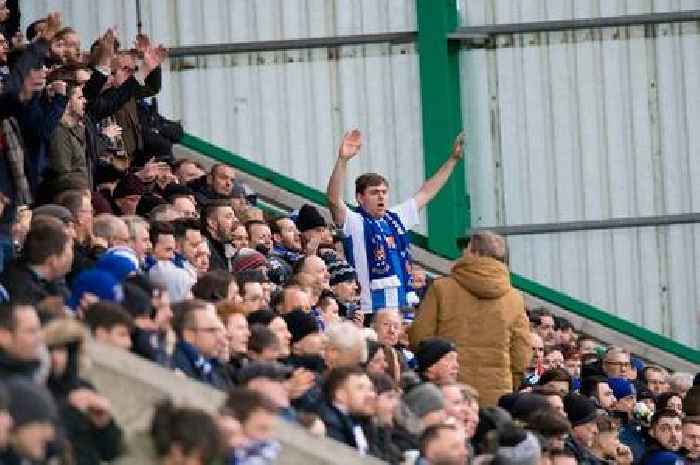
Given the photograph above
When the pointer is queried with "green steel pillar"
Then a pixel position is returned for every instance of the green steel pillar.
(449, 213)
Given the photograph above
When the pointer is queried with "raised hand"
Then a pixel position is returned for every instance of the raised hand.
(49, 28)
(153, 57)
(142, 43)
(17, 40)
(112, 131)
(352, 142)
(105, 50)
(458, 146)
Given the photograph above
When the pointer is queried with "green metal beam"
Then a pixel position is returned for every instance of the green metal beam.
(520, 282)
(449, 213)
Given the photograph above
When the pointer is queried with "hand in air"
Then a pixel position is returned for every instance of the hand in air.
(352, 143)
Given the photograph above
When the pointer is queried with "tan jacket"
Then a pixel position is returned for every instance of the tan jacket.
(477, 308)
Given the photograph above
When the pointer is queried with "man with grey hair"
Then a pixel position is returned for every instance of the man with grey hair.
(477, 308)
(345, 345)
(109, 231)
(680, 382)
(616, 363)
(139, 239)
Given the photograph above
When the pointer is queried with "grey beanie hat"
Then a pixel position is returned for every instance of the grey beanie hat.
(526, 452)
(30, 403)
(423, 399)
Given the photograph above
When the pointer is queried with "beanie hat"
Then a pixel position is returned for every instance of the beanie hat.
(431, 350)
(341, 272)
(129, 185)
(247, 259)
(423, 399)
(309, 218)
(57, 211)
(525, 452)
(178, 281)
(30, 403)
(300, 324)
(621, 387)
(579, 409)
(98, 282)
(117, 263)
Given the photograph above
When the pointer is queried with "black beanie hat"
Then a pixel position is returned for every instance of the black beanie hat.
(300, 324)
(309, 218)
(30, 403)
(431, 350)
(579, 409)
(341, 272)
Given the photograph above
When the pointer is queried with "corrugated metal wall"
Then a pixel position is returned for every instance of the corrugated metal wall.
(592, 125)
(287, 110)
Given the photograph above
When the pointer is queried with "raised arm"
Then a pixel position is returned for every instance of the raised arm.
(432, 186)
(352, 141)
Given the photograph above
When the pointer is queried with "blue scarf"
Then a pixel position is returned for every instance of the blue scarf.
(201, 364)
(382, 274)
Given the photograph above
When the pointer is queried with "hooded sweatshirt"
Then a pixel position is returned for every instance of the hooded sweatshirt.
(477, 308)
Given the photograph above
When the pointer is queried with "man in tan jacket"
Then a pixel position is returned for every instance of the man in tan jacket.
(477, 308)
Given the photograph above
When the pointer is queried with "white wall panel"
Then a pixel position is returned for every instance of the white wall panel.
(192, 22)
(588, 125)
(479, 12)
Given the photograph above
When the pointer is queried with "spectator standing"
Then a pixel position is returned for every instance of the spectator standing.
(377, 236)
(478, 309)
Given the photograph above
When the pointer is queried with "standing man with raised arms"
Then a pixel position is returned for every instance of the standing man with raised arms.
(377, 241)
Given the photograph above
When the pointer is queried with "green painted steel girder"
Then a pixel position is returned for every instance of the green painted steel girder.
(449, 213)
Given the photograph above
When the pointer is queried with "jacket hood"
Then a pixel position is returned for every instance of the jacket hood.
(64, 331)
(485, 277)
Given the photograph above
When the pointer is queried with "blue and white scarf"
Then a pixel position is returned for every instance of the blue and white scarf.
(382, 274)
(203, 366)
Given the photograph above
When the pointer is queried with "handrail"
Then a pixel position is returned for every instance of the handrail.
(527, 285)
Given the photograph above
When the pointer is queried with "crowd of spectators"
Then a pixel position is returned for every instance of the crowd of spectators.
(329, 325)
